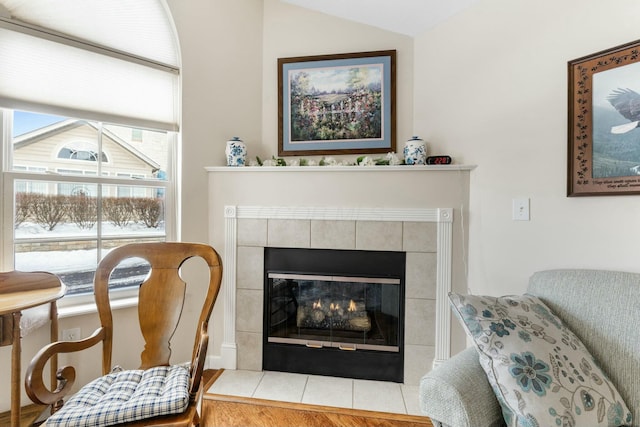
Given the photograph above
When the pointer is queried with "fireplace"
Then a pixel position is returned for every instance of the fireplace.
(334, 312)
(424, 235)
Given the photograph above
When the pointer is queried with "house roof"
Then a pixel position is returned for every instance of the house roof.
(45, 132)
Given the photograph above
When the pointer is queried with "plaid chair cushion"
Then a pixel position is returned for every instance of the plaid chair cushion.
(126, 396)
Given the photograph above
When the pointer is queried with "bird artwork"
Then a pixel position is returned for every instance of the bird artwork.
(627, 103)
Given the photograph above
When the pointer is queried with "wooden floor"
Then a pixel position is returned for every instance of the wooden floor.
(231, 411)
(28, 415)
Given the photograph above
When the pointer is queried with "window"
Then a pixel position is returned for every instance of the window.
(80, 154)
(65, 219)
(88, 129)
(136, 135)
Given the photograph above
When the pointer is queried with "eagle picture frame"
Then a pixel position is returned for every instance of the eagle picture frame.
(604, 123)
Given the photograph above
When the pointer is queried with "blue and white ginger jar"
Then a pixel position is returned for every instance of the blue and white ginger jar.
(415, 151)
(236, 152)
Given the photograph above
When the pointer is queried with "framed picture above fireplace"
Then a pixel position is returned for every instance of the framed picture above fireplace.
(337, 104)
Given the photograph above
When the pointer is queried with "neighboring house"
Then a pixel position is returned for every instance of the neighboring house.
(71, 147)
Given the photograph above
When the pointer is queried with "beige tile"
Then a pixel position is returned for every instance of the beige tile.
(411, 396)
(378, 396)
(289, 233)
(329, 391)
(249, 309)
(421, 271)
(252, 232)
(249, 351)
(420, 236)
(418, 360)
(379, 236)
(236, 383)
(250, 268)
(333, 234)
(281, 386)
(319, 390)
(420, 321)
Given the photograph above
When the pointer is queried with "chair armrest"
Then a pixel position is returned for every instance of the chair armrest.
(457, 393)
(37, 391)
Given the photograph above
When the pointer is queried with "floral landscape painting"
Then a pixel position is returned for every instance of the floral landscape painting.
(337, 103)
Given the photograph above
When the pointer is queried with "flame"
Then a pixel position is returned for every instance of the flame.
(317, 304)
(352, 305)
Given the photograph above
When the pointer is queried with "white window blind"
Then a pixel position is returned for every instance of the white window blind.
(124, 70)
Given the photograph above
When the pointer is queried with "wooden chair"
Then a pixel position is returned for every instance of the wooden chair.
(161, 300)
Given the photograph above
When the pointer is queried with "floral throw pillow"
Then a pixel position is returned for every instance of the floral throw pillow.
(541, 373)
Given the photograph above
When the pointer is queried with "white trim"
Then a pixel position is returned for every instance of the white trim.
(90, 308)
(443, 287)
(442, 216)
(342, 214)
(229, 346)
(297, 169)
(6, 208)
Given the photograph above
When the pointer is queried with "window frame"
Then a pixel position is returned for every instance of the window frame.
(157, 59)
(80, 303)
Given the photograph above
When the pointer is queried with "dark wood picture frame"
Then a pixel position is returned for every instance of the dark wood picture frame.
(604, 115)
(337, 104)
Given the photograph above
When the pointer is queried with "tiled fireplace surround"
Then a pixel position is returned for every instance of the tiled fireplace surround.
(425, 234)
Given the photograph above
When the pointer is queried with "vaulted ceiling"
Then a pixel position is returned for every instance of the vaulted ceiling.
(409, 17)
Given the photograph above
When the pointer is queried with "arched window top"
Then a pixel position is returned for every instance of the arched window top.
(113, 24)
(81, 151)
(124, 53)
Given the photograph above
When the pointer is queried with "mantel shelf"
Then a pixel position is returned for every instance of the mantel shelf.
(340, 168)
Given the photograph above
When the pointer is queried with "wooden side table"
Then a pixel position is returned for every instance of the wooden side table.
(20, 291)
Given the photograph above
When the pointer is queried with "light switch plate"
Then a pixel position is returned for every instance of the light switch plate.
(521, 209)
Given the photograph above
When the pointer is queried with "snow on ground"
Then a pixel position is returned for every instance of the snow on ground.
(75, 260)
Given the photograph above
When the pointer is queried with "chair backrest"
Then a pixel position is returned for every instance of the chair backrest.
(161, 300)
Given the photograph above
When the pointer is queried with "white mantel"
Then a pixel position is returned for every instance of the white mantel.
(329, 169)
(375, 193)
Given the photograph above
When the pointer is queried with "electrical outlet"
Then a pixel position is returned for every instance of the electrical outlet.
(72, 334)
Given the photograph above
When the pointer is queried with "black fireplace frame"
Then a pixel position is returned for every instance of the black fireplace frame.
(359, 364)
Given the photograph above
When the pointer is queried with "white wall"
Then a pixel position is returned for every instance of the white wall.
(491, 90)
(221, 44)
(291, 31)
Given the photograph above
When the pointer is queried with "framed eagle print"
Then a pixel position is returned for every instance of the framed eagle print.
(604, 123)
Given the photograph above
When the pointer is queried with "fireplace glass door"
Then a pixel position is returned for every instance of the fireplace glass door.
(334, 312)
(348, 313)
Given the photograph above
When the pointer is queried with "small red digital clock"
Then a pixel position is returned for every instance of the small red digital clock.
(438, 160)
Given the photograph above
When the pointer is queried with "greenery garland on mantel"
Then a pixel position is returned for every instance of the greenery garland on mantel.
(391, 159)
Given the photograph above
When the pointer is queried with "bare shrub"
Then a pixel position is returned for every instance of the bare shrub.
(118, 210)
(48, 210)
(148, 211)
(22, 208)
(83, 210)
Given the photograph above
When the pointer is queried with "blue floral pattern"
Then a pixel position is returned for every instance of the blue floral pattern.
(236, 152)
(539, 370)
(530, 373)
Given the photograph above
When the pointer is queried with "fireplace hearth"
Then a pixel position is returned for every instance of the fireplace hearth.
(334, 312)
